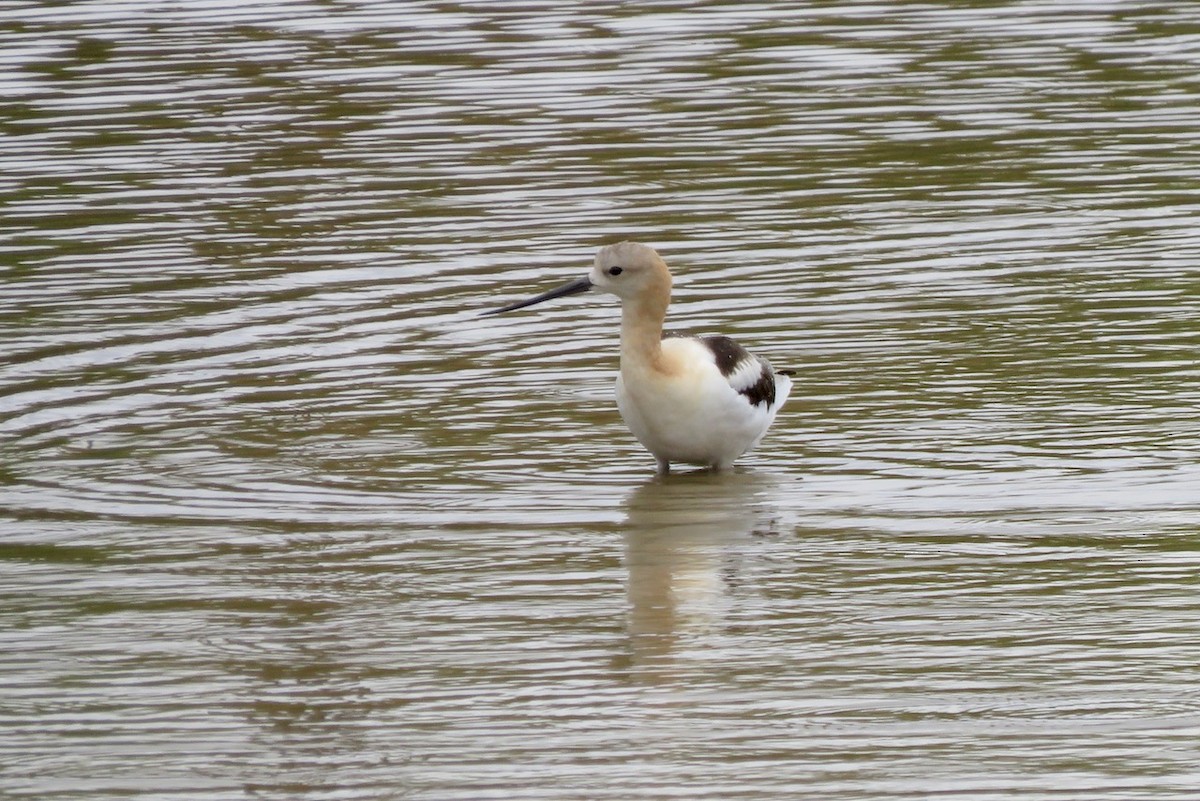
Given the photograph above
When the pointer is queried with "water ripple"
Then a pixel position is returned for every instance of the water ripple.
(277, 503)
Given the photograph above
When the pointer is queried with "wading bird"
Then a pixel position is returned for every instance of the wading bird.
(693, 400)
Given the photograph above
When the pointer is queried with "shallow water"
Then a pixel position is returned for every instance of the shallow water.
(284, 518)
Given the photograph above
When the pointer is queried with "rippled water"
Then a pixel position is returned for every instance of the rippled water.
(284, 518)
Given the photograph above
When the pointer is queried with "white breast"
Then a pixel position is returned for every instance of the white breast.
(690, 412)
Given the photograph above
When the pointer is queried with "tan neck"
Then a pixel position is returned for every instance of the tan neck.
(641, 331)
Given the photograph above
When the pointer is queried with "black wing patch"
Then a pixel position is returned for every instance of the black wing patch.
(728, 353)
(762, 390)
(732, 358)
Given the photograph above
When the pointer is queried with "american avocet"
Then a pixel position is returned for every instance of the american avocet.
(696, 400)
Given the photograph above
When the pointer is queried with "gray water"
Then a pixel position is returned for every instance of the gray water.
(283, 518)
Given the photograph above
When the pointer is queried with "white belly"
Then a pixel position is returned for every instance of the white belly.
(691, 419)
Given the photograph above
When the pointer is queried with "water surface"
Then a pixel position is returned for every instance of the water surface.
(284, 518)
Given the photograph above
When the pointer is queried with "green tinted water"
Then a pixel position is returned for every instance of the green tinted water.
(283, 518)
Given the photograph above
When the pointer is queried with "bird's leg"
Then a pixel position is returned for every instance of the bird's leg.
(664, 466)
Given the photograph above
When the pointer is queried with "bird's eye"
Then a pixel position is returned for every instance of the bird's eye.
(615, 271)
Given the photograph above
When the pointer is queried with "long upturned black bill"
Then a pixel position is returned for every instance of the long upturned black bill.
(573, 288)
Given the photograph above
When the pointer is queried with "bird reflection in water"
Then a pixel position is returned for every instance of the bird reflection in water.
(684, 547)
